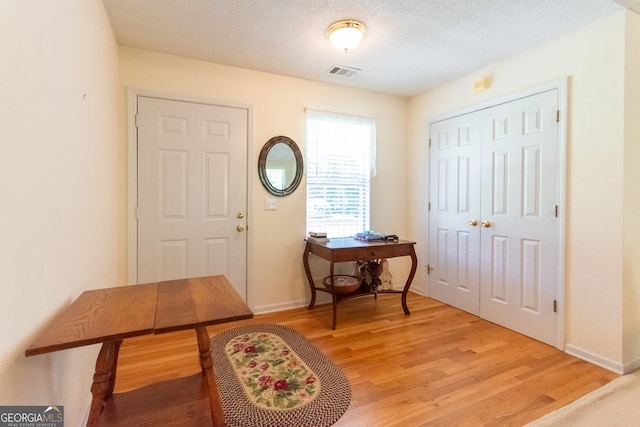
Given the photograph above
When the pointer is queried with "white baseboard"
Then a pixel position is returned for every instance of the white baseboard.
(632, 365)
(416, 290)
(603, 362)
(265, 309)
(321, 298)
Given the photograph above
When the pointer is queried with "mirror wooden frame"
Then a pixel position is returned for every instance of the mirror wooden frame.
(262, 166)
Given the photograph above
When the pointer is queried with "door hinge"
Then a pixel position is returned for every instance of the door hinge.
(429, 269)
(555, 306)
(429, 207)
(137, 213)
(557, 211)
(429, 142)
(557, 116)
(136, 120)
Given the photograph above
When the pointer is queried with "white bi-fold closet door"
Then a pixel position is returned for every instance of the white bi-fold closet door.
(493, 218)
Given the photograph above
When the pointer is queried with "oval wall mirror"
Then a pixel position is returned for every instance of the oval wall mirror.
(280, 166)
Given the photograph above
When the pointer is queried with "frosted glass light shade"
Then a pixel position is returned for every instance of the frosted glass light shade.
(346, 35)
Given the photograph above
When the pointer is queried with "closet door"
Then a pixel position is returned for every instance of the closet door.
(454, 217)
(519, 224)
(493, 230)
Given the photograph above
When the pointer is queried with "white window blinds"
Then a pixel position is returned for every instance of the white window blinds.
(340, 161)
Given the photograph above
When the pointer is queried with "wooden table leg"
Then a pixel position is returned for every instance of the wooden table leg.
(405, 290)
(333, 296)
(114, 368)
(103, 379)
(305, 261)
(206, 362)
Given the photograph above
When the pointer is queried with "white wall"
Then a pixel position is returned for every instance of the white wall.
(58, 186)
(594, 59)
(275, 273)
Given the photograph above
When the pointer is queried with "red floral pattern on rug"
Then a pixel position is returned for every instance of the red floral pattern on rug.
(273, 376)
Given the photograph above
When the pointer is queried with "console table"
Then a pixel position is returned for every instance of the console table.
(110, 315)
(350, 249)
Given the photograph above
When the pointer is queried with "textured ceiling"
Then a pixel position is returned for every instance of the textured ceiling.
(410, 46)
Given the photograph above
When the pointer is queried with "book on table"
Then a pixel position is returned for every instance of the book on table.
(318, 234)
(369, 236)
(315, 236)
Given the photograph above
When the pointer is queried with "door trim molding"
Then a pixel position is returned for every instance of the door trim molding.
(132, 172)
(562, 86)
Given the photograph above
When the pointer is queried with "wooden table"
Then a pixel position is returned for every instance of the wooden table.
(350, 249)
(110, 315)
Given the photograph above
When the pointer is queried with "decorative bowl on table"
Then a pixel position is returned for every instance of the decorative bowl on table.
(342, 284)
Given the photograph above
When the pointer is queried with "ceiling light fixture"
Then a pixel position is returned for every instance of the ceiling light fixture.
(346, 34)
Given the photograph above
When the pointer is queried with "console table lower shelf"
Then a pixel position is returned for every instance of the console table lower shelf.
(349, 249)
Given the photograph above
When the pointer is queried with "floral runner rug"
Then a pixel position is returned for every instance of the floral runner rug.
(270, 375)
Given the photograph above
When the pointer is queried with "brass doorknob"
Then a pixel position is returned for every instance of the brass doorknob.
(239, 215)
(241, 228)
(486, 224)
(473, 222)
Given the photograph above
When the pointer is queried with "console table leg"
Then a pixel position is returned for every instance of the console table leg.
(405, 290)
(103, 379)
(334, 297)
(206, 362)
(305, 261)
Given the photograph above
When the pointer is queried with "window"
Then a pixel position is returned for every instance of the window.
(340, 162)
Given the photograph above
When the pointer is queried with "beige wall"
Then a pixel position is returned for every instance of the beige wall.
(631, 261)
(275, 271)
(59, 173)
(597, 185)
(63, 162)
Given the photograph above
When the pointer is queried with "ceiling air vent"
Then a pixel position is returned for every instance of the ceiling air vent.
(341, 70)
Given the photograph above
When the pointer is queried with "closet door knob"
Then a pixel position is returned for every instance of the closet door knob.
(473, 222)
(486, 224)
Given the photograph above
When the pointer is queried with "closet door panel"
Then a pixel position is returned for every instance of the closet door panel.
(454, 246)
(519, 195)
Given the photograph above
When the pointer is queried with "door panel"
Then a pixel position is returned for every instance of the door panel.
(191, 187)
(520, 161)
(173, 260)
(455, 166)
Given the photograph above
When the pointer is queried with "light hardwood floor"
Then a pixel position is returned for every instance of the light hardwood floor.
(438, 367)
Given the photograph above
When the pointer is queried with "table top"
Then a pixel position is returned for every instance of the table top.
(122, 312)
(350, 249)
(350, 242)
(203, 301)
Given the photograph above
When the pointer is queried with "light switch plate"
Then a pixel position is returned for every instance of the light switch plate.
(270, 205)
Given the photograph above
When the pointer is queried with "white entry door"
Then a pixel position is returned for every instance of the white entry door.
(192, 191)
(493, 245)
